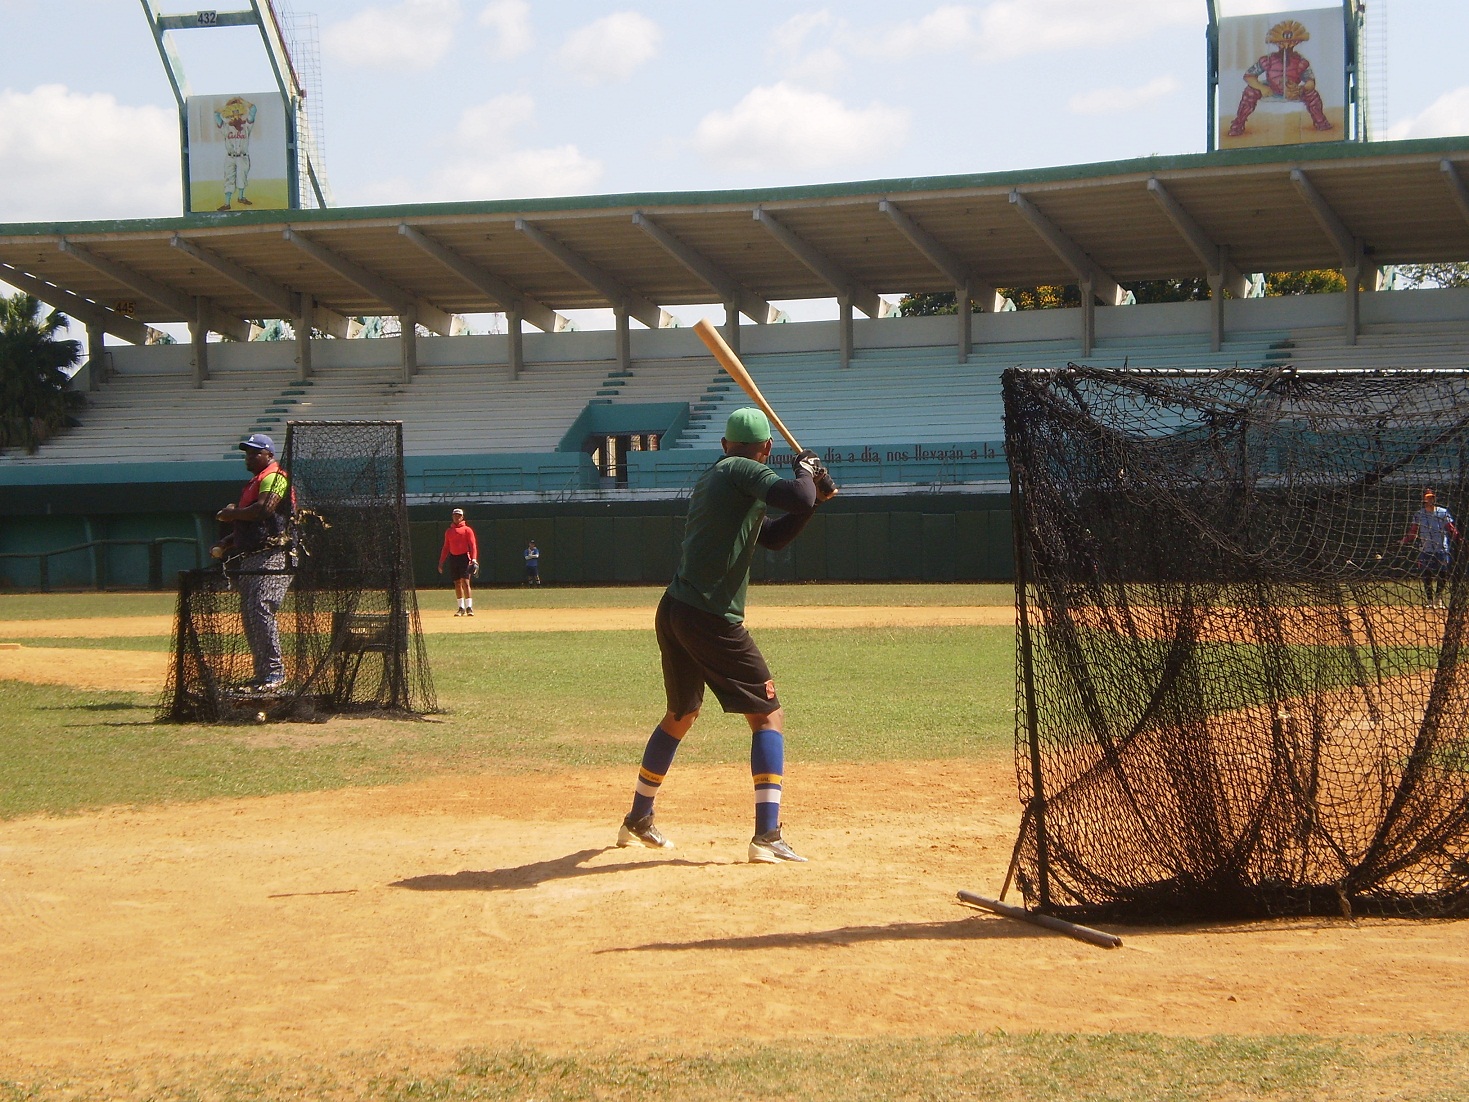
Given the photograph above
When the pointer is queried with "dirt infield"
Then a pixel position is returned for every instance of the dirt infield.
(488, 910)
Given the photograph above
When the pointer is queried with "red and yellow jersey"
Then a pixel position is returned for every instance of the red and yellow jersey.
(253, 535)
(272, 480)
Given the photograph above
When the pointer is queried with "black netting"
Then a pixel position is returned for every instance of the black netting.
(1231, 698)
(349, 627)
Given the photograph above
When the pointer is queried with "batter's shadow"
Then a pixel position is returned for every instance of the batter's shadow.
(520, 877)
(969, 928)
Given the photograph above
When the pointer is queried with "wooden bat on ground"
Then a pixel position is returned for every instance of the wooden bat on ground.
(731, 363)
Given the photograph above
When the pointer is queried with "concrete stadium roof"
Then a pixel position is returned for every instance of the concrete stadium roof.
(1277, 209)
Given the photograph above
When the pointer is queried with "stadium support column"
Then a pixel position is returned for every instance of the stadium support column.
(96, 355)
(199, 340)
(1352, 272)
(732, 325)
(515, 339)
(1217, 281)
(1348, 245)
(844, 328)
(624, 339)
(1088, 315)
(964, 295)
(305, 320)
(408, 322)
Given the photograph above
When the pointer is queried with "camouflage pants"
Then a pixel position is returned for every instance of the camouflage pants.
(261, 597)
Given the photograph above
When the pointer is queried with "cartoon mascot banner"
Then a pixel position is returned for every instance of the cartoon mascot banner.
(237, 153)
(1282, 78)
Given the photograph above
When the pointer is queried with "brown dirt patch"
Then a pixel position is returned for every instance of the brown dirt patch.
(131, 671)
(1298, 625)
(485, 911)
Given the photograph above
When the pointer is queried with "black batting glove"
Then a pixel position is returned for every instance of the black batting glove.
(826, 489)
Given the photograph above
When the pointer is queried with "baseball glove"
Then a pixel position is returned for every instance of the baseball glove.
(474, 568)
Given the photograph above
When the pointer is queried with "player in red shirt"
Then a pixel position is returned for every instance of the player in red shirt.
(461, 552)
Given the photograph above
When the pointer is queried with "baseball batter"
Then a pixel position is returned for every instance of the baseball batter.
(235, 120)
(701, 630)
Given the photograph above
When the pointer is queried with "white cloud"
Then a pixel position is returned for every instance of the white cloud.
(783, 126)
(951, 27)
(414, 34)
(1102, 101)
(612, 48)
(1230, 8)
(491, 125)
(1011, 28)
(1445, 116)
(509, 20)
(821, 68)
(519, 174)
(1014, 28)
(70, 156)
(484, 163)
(822, 64)
(790, 37)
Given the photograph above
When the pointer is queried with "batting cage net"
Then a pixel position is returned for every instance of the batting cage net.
(1238, 680)
(348, 622)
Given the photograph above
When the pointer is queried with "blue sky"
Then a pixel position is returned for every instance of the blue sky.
(430, 100)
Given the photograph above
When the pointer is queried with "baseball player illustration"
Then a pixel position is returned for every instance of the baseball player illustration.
(235, 120)
(1282, 75)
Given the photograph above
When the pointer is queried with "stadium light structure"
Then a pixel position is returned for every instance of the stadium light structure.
(303, 160)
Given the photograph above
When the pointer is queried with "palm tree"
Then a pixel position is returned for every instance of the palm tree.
(35, 390)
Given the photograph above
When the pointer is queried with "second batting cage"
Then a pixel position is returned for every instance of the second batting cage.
(348, 625)
(1239, 680)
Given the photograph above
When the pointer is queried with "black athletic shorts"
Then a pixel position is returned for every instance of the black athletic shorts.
(699, 648)
(459, 567)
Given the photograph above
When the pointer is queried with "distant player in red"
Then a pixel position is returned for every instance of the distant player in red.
(461, 552)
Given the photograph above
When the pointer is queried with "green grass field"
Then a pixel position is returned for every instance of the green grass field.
(541, 701)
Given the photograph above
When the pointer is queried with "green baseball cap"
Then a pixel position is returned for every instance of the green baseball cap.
(747, 426)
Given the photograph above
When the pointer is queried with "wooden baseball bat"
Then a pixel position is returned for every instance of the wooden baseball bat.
(731, 363)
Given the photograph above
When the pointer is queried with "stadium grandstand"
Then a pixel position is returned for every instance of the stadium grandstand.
(588, 441)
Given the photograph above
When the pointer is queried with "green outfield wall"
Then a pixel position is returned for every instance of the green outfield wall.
(912, 537)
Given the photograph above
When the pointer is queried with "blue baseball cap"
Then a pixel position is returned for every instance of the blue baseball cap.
(258, 442)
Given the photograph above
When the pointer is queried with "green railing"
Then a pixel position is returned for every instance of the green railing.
(101, 570)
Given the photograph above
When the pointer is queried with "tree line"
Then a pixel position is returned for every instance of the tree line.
(1319, 281)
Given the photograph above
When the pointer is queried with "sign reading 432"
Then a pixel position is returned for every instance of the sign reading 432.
(207, 18)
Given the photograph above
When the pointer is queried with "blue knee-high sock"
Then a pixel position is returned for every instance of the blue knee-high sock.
(657, 757)
(767, 764)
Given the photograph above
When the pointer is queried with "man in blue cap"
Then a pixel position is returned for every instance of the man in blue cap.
(255, 551)
(701, 623)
